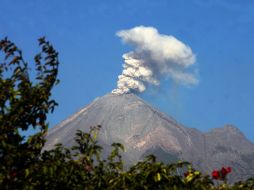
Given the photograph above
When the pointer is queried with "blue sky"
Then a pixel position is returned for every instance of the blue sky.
(219, 32)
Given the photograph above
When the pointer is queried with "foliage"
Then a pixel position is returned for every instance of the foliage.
(25, 103)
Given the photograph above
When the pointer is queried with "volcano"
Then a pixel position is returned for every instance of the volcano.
(144, 130)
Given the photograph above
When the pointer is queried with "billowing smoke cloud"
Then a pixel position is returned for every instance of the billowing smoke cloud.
(156, 56)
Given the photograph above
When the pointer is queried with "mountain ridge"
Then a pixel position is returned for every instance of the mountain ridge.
(143, 130)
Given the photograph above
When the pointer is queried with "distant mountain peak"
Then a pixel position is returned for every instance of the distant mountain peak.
(228, 129)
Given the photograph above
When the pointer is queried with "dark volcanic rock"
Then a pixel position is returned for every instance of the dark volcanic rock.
(144, 130)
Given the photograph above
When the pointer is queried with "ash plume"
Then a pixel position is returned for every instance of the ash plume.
(155, 56)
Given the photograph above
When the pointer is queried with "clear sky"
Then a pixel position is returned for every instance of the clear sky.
(219, 32)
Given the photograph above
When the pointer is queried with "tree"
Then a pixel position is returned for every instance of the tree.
(24, 104)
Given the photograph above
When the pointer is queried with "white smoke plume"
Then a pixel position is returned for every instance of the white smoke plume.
(155, 56)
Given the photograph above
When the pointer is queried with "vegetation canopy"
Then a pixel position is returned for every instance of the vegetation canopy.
(25, 103)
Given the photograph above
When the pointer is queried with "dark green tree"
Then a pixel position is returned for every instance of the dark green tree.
(24, 104)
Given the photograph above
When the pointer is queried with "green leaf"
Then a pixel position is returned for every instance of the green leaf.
(26, 172)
